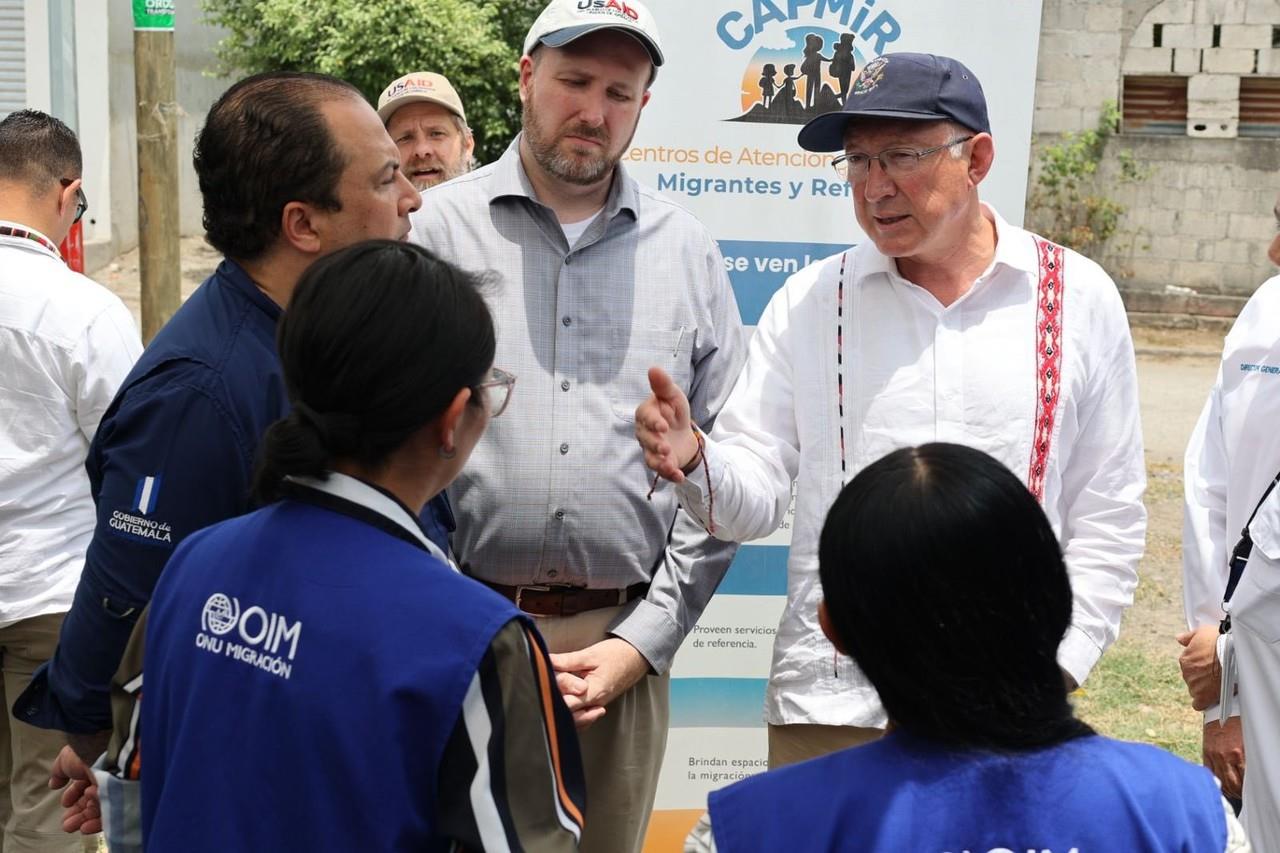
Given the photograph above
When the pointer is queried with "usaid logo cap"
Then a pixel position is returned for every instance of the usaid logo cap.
(420, 86)
(564, 21)
(913, 86)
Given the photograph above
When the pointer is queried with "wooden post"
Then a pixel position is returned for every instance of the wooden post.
(154, 82)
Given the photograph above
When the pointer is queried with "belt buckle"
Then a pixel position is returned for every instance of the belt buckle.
(520, 591)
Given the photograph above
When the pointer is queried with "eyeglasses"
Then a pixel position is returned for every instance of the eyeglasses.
(895, 162)
(82, 203)
(495, 401)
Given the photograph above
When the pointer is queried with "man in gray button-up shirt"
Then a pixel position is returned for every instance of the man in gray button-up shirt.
(596, 278)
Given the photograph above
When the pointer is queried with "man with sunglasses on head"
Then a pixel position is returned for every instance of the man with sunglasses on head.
(66, 344)
(946, 324)
(291, 166)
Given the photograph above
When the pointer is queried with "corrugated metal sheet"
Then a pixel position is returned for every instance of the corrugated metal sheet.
(13, 60)
(1154, 105)
(1260, 106)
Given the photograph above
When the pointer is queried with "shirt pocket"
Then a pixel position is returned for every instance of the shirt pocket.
(640, 349)
(1256, 603)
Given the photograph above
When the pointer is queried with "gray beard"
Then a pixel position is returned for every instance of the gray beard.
(446, 174)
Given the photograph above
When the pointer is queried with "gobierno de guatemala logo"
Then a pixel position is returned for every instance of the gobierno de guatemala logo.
(137, 523)
(808, 54)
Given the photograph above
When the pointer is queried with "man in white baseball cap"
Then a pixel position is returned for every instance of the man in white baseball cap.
(565, 21)
(597, 275)
(425, 118)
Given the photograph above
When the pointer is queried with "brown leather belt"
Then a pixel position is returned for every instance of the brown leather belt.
(540, 600)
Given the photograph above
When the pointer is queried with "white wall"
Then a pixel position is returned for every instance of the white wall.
(196, 91)
(106, 120)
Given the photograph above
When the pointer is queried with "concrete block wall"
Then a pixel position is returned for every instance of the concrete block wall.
(1203, 217)
(1081, 44)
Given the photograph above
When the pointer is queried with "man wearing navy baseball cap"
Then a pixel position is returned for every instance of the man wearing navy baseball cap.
(947, 323)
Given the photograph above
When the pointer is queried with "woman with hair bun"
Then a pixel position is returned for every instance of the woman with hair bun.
(943, 580)
(319, 675)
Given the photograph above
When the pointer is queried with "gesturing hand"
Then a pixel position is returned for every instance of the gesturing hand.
(592, 678)
(664, 428)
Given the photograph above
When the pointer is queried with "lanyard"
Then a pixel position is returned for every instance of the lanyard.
(34, 236)
(1240, 558)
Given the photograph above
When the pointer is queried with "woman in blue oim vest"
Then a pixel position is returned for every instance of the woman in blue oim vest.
(943, 580)
(319, 676)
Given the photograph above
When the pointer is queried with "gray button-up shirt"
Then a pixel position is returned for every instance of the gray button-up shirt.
(555, 490)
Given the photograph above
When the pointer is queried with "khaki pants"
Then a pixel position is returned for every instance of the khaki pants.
(799, 742)
(30, 813)
(622, 752)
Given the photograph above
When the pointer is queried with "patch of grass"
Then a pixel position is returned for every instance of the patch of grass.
(1133, 695)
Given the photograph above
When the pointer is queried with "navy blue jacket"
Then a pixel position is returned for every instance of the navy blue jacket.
(174, 453)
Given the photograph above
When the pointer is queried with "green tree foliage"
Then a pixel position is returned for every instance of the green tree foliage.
(369, 43)
(1069, 204)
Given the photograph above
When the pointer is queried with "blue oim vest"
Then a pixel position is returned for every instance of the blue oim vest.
(304, 672)
(903, 795)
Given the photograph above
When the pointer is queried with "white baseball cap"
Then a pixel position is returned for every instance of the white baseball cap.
(424, 86)
(563, 21)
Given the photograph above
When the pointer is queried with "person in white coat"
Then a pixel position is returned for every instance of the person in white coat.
(1232, 459)
(947, 324)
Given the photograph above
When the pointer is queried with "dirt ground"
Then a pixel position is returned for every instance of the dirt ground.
(1172, 391)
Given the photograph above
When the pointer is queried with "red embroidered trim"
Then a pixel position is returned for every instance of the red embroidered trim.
(1049, 299)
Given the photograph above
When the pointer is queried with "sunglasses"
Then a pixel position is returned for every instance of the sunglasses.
(82, 203)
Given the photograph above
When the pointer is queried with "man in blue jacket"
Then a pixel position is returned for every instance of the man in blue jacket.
(291, 167)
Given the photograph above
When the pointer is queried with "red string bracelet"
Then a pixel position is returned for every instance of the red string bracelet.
(706, 472)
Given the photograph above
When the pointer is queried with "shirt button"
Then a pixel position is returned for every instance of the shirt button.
(559, 515)
(564, 385)
(567, 259)
(564, 448)
(566, 320)
(552, 573)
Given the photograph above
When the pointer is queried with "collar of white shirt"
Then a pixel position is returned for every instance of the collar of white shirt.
(509, 179)
(1013, 249)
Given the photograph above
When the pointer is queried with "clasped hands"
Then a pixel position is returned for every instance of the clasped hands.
(592, 678)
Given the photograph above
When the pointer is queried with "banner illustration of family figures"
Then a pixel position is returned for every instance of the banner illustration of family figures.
(810, 76)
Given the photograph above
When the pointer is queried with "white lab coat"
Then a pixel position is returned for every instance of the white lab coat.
(1233, 455)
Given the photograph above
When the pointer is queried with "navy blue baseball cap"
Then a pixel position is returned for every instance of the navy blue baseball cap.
(917, 86)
